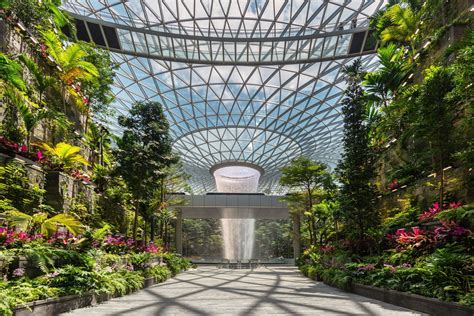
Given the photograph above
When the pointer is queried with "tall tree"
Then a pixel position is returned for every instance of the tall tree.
(435, 114)
(307, 178)
(356, 168)
(143, 151)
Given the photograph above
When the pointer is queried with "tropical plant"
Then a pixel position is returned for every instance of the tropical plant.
(16, 190)
(32, 115)
(98, 140)
(165, 216)
(143, 151)
(434, 115)
(99, 92)
(71, 61)
(42, 80)
(356, 169)
(382, 85)
(60, 17)
(309, 180)
(5, 4)
(10, 73)
(40, 222)
(64, 156)
(398, 24)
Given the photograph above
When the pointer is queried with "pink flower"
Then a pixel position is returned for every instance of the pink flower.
(19, 272)
(455, 204)
(432, 211)
(23, 149)
(40, 155)
(52, 275)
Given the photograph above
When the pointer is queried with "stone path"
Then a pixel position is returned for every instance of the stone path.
(263, 291)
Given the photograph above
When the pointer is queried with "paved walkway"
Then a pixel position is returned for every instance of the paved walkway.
(263, 291)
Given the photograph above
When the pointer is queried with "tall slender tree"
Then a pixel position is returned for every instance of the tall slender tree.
(143, 151)
(356, 168)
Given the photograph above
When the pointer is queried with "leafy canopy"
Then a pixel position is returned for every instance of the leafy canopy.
(144, 148)
(64, 155)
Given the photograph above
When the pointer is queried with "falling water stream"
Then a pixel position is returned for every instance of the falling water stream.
(238, 231)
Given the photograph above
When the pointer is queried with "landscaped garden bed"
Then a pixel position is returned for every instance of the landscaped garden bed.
(430, 259)
(58, 272)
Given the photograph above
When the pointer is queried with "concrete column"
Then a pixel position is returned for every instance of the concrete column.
(296, 235)
(179, 231)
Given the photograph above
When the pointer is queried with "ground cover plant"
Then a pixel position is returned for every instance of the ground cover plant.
(36, 266)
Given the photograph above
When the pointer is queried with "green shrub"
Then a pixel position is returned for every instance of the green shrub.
(161, 273)
(176, 263)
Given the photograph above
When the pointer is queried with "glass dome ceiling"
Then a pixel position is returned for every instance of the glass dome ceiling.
(255, 81)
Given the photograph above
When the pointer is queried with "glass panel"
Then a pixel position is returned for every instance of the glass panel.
(125, 40)
(140, 43)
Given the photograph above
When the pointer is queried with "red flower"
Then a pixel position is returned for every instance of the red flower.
(455, 204)
(432, 211)
(393, 184)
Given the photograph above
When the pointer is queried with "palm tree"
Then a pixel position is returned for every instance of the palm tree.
(64, 156)
(43, 81)
(10, 72)
(39, 222)
(384, 83)
(403, 22)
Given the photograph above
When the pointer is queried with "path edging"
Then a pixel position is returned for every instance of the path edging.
(62, 304)
(429, 305)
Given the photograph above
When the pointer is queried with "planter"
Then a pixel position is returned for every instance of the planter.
(416, 302)
(54, 306)
(57, 189)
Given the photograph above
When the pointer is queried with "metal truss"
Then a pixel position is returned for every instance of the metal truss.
(260, 108)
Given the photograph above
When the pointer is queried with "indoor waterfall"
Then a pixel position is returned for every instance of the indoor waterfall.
(238, 231)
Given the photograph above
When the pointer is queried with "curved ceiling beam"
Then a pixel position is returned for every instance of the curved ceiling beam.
(193, 49)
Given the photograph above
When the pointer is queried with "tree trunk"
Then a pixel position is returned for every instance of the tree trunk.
(135, 221)
(145, 234)
(296, 235)
(165, 240)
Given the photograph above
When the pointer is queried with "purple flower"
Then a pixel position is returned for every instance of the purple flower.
(390, 267)
(52, 275)
(19, 272)
(367, 267)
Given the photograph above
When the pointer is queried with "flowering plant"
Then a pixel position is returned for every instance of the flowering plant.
(10, 238)
(435, 209)
(393, 184)
(327, 249)
(77, 174)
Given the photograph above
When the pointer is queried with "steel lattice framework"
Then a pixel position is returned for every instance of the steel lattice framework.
(255, 81)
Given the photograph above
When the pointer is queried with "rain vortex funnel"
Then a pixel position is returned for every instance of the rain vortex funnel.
(238, 233)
